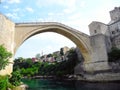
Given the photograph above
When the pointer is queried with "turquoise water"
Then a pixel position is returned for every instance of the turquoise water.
(42, 84)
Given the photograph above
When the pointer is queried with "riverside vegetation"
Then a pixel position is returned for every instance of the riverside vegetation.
(30, 69)
(61, 70)
(8, 81)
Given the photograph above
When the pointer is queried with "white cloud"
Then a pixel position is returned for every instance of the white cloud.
(101, 14)
(29, 9)
(73, 6)
(82, 4)
(59, 14)
(13, 1)
(68, 3)
(6, 7)
(51, 14)
(12, 15)
(75, 16)
(67, 11)
(16, 9)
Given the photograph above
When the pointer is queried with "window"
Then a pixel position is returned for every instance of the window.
(113, 32)
(117, 30)
(95, 31)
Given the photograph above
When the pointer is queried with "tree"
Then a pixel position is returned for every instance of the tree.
(16, 78)
(4, 57)
(61, 52)
(49, 55)
(38, 56)
(114, 55)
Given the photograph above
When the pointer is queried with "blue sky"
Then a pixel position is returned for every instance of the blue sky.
(77, 14)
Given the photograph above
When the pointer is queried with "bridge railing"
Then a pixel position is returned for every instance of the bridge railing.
(51, 23)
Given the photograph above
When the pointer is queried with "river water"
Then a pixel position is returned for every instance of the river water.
(43, 84)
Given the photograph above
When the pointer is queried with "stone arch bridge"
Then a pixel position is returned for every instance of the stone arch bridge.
(23, 31)
(12, 35)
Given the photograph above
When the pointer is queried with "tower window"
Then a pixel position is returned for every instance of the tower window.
(113, 32)
(95, 31)
(117, 30)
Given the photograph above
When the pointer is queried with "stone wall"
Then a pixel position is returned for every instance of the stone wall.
(114, 29)
(115, 14)
(98, 28)
(7, 39)
(99, 50)
(79, 69)
(115, 34)
(98, 55)
(103, 77)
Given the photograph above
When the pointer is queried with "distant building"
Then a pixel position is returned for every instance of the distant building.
(35, 60)
(65, 49)
(55, 56)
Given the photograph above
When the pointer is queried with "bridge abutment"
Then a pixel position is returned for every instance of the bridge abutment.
(100, 46)
(7, 39)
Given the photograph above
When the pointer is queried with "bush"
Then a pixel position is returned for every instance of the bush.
(16, 78)
(114, 55)
(60, 73)
(4, 57)
(3, 82)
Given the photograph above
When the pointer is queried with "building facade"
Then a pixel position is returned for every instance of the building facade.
(111, 31)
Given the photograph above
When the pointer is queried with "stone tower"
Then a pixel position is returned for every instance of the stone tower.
(115, 14)
(114, 27)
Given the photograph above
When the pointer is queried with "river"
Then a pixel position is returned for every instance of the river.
(44, 84)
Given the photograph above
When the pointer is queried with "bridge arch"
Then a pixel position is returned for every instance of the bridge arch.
(73, 35)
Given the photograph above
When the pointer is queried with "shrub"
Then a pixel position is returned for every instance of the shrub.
(4, 57)
(16, 78)
(3, 82)
(114, 55)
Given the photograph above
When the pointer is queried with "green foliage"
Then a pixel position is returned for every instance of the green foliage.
(59, 69)
(4, 57)
(16, 78)
(22, 63)
(29, 71)
(60, 73)
(49, 55)
(38, 56)
(114, 55)
(61, 51)
(3, 82)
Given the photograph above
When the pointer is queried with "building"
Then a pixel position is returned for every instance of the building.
(114, 27)
(35, 59)
(65, 49)
(111, 31)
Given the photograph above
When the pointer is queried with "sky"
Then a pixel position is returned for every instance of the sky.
(77, 14)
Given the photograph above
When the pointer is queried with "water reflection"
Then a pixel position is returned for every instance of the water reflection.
(38, 84)
(97, 86)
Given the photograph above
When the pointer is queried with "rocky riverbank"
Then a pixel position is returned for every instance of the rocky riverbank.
(21, 87)
(100, 77)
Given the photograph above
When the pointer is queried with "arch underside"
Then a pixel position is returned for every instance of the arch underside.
(72, 35)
